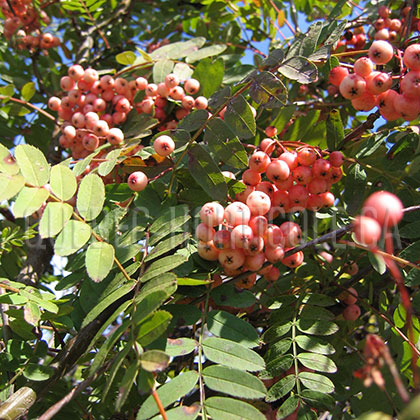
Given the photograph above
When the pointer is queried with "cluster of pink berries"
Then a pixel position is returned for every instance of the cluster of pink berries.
(22, 19)
(93, 106)
(349, 298)
(295, 180)
(244, 240)
(381, 211)
(387, 28)
(163, 146)
(367, 88)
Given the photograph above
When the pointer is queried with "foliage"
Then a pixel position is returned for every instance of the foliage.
(137, 325)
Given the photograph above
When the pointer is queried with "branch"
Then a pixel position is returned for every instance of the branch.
(357, 132)
(54, 409)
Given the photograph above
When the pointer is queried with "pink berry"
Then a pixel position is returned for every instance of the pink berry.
(204, 233)
(67, 83)
(208, 251)
(291, 158)
(385, 207)
(237, 213)
(351, 313)
(274, 254)
(363, 66)
(115, 136)
(294, 260)
(201, 102)
(259, 203)
(292, 233)
(258, 225)
(259, 161)
(251, 177)
(222, 239)
(137, 181)
(212, 214)
(192, 86)
(231, 258)
(367, 230)
(241, 236)
(171, 80)
(380, 52)
(278, 170)
(336, 159)
(90, 76)
(349, 297)
(306, 156)
(76, 72)
(352, 86)
(336, 75)
(54, 103)
(164, 145)
(255, 261)
(270, 131)
(366, 102)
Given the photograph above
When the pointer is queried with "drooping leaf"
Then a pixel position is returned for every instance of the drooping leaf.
(231, 354)
(314, 344)
(194, 120)
(126, 384)
(268, 90)
(225, 145)
(154, 360)
(163, 265)
(10, 185)
(317, 362)
(168, 393)
(233, 382)
(161, 69)
(54, 218)
(205, 52)
(316, 382)
(90, 196)
(111, 160)
(281, 388)
(210, 75)
(318, 400)
(225, 325)
(317, 327)
(28, 201)
(180, 346)
(239, 118)
(288, 407)
(206, 173)
(8, 163)
(74, 235)
(28, 91)
(335, 130)
(178, 49)
(300, 69)
(310, 41)
(171, 221)
(126, 58)
(224, 408)
(99, 260)
(63, 182)
(153, 327)
(167, 245)
(33, 165)
(183, 71)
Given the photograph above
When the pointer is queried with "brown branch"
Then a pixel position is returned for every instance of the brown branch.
(357, 132)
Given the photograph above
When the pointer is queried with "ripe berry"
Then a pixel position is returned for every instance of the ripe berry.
(363, 66)
(255, 262)
(208, 251)
(192, 86)
(274, 254)
(352, 86)
(291, 158)
(204, 233)
(251, 177)
(270, 131)
(231, 258)
(115, 136)
(380, 52)
(212, 214)
(164, 145)
(237, 213)
(411, 57)
(278, 170)
(367, 230)
(336, 159)
(336, 75)
(384, 207)
(259, 203)
(306, 156)
(351, 313)
(294, 260)
(137, 181)
(259, 161)
(348, 298)
(292, 233)
(241, 236)
(222, 239)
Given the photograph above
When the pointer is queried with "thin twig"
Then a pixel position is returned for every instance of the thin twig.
(159, 404)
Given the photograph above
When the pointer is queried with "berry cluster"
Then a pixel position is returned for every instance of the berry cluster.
(349, 298)
(93, 106)
(23, 19)
(367, 88)
(245, 240)
(387, 28)
(294, 180)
